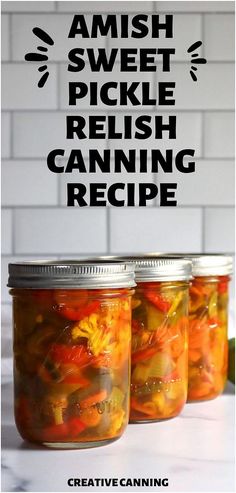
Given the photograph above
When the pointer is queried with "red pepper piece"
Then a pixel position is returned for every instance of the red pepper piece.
(61, 353)
(136, 326)
(157, 300)
(93, 399)
(213, 322)
(74, 379)
(54, 433)
(43, 297)
(174, 375)
(23, 413)
(223, 284)
(143, 354)
(64, 431)
(78, 313)
(76, 426)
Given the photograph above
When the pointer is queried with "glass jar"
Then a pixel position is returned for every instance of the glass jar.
(72, 331)
(208, 321)
(159, 359)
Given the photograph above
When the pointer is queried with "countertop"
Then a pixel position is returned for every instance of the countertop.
(194, 451)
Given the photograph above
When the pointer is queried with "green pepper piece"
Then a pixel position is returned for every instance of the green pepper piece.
(154, 317)
(231, 367)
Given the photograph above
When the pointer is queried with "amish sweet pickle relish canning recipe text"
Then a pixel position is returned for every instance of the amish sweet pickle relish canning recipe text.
(132, 129)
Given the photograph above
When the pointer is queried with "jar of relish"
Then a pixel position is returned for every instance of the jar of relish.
(159, 374)
(72, 333)
(208, 323)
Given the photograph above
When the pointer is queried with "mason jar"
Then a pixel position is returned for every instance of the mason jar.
(72, 332)
(159, 374)
(208, 323)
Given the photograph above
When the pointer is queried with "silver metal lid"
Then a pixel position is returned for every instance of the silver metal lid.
(203, 264)
(211, 265)
(156, 269)
(71, 274)
(162, 269)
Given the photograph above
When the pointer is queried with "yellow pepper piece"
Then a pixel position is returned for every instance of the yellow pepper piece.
(160, 365)
(149, 408)
(154, 317)
(135, 303)
(175, 390)
(116, 422)
(58, 416)
(159, 400)
(55, 405)
(116, 397)
(175, 304)
(212, 307)
(140, 373)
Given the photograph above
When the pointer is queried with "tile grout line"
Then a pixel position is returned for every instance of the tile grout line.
(10, 38)
(203, 229)
(59, 200)
(203, 135)
(136, 12)
(58, 86)
(182, 206)
(120, 110)
(11, 117)
(202, 113)
(197, 158)
(13, 233)
(108, 229)
(117, 63)
(203, 33)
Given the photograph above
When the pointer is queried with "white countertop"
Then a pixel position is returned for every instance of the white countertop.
(194, 451)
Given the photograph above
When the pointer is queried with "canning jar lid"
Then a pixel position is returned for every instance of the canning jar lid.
(203, 264)
(211, 265)
(71, 274)
(154, 267)
(160, 269)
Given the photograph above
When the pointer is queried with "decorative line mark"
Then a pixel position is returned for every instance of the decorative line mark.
(43, 79)
(194, 46)
(40, 57)
(195, 59)
(44, 67)
(42, 48)
(35, 57)
(41, 34)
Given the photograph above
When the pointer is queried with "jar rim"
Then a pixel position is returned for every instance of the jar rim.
(69, 274)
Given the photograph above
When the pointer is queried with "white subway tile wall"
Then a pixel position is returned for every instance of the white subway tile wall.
(6, 134)
(58, 231)
(138, 229)
(214, 48)
(28, 184)
(6, 231)
(35, 219)
(24, 94)
(219, 134)
(5, 33)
